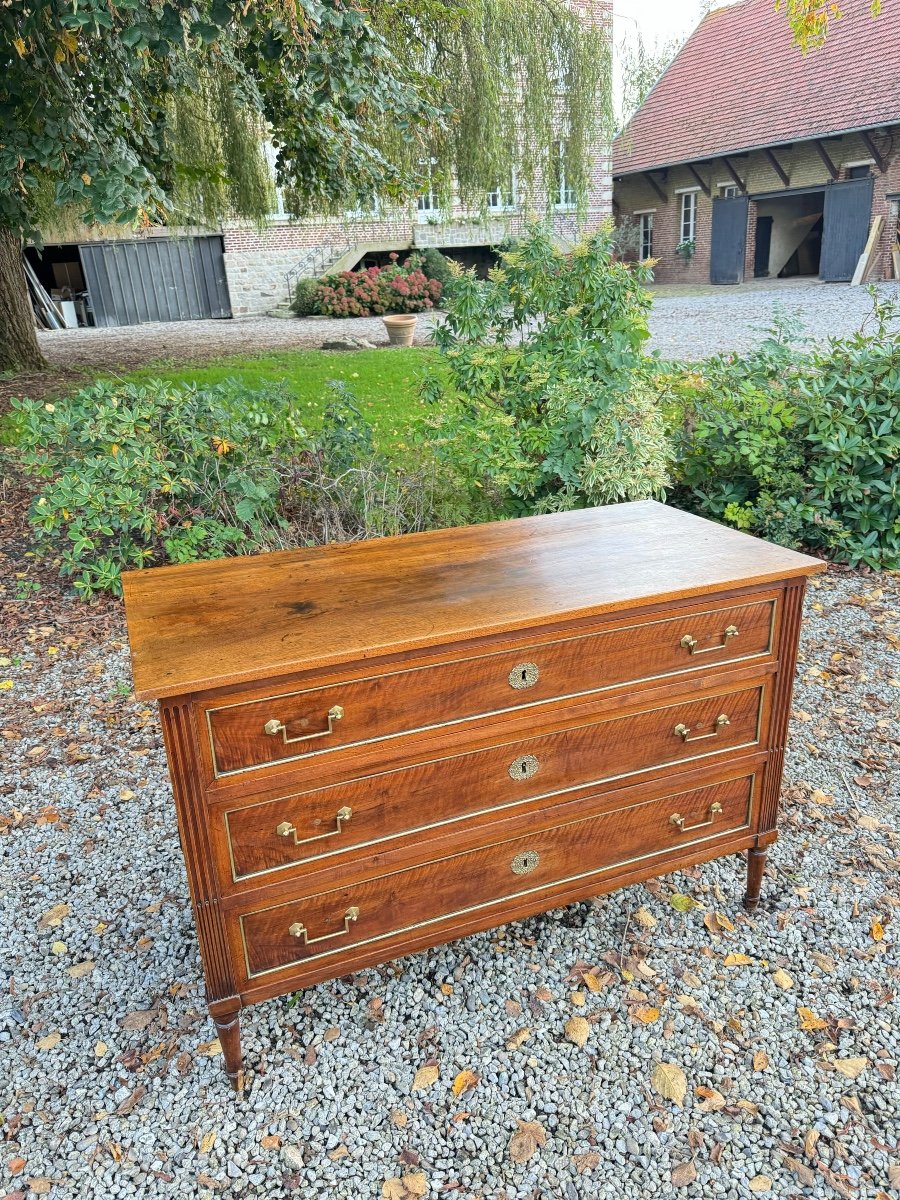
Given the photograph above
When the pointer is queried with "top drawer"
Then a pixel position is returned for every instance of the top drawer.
(254, 733)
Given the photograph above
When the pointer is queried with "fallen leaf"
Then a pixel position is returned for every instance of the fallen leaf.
(425, 1076)
(331, 1034)
(58, 948)
(208, 1141)
(682, 903)
(578, 999)
(824, 962)
(79, 970)
(338, 1153)
(646, 1014)
(100, 1048)
(139, 1019)
(717, 924)
(712, 1100)
(876, 929)
(586, 1162)
(645, 918)
(809, 1020)
(464, 1082)
(760, 1060)
(577, 1030)
(670, 1082)
(210, 1049)
(132, 1101)
(49, 1041)
(737, 960)
(399, 1118)
(525, 1141)
(850, 1068)
(16, 1165)
(781, 979)
(684, 1174)
(407, 1187)
(270, 1141)
(520, 1036)
(40, 1186)
(54, 916)
(760, 1183)
(894, 1176)
(809, 1142)
(801, 1170)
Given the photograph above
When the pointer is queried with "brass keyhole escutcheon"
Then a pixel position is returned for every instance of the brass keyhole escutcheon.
(524, 862)
(524, 675)
(524, 767)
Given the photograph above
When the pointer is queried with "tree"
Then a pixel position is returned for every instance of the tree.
(809, 19)
(641, 66)
(154, 111)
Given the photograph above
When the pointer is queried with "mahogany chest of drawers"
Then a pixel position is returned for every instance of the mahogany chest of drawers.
(381, 746)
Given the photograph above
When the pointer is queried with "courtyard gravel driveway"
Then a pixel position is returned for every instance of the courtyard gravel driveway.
(111, 1084)
(685, 323)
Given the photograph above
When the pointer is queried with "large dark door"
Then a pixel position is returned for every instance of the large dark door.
(159, 279)
(762, 247)
(848, 210)
(729, 239)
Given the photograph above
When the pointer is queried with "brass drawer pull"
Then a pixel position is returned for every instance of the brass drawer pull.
(299, 930)
(690, 643)
(677, 819)
(286, 829)
(683, 731)
(275, 726)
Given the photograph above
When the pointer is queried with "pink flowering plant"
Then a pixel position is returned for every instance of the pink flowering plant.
(374, 291)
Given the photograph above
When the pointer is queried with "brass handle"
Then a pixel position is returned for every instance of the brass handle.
(275, 726)
(677, 819)
(690, 643)
(299, 930)
(683, 731)
(286, 829)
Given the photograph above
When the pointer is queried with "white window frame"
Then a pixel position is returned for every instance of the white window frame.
(726, 190)
(687, 216)
(859, 162)
(565, 198)
(646, 230)
(373, 212)
(500, 201)
(279, 213)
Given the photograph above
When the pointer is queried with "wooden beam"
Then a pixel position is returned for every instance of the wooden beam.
(874, 151)
(777, 167)
(733, 173)
(865, 258)
(704, 188)
(662, 195)
(823, 154)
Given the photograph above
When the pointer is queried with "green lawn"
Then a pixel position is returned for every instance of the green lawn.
(384, 381)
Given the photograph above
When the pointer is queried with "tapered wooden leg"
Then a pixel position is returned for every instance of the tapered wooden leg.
(756, 864)
(228, 1027)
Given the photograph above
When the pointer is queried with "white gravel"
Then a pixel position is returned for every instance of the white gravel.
(685, 323)
(124, 1101)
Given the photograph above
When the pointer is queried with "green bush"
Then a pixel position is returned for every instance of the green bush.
(547, 405)
(437, 266)
(801, 446)
(135, 475)
(306, 298)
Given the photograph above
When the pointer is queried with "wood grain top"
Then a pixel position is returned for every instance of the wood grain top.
(236, 620)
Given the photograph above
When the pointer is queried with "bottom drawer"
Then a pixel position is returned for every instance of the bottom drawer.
(313, 927)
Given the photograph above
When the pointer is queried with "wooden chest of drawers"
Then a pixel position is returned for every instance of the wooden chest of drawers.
(382, 746)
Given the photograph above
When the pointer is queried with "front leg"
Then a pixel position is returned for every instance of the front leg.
(228, 1027)
(756, 865)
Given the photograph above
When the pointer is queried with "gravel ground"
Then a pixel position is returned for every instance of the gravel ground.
(111, 1086)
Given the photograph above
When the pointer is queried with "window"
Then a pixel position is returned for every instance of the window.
(688, 216)
(862, 171)
(727, 189)
(503, 196)
(426, 207)
(563, 194)
(645, 226)
(366, 208)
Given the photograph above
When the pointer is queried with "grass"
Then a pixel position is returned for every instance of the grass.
(385, 382)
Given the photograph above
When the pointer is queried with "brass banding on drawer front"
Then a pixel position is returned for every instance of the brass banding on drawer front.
(297, 931)
(248, 734)
(472, 785)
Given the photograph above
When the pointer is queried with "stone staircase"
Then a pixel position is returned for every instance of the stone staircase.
(327, 259)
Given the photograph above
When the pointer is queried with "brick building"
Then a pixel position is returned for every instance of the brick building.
(771, 162)
(238, 269)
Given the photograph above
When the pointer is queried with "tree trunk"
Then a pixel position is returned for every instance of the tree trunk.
(19, 349)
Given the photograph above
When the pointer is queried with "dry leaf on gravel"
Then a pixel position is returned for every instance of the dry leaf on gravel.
(79, 970)
(682, 903)
(139, 1019)
(210, 1049)
(464, 1082)
(809, 1020)
(876, 929)
(894, 1176)
(670, 1082)
(586, 1162)
(645, 918)
(407, 1187)
(684, 1174)
(54, 916)
(824, 962)
(425, 1077)
(577, 1030)
(208, 1141)
(737, 960)
(781, 979)
(525, 1141)
(520, 1036)
(850, 1067)
(760, 1060)
(801, 1170)
(712, 1100)
(646, 1014)
(760, 1183)
(48, 1042)
(717, 924)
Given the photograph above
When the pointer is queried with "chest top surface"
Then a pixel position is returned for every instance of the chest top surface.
(228, 621)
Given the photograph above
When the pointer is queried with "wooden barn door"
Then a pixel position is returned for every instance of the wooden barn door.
(729, 239)
(848, 210)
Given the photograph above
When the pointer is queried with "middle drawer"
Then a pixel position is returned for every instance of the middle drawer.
(276, 834)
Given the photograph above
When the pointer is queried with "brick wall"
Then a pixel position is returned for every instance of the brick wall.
(804, 167)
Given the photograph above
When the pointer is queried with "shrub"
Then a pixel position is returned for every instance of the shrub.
(801, 446)
(547, 404)
(305, 302)
(375, 291)
(437, 266)
(141, 474)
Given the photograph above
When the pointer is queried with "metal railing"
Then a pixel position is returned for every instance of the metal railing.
(317, 261)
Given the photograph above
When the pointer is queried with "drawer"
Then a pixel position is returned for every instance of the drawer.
(254, 733)
(314, 927)
(288, 831)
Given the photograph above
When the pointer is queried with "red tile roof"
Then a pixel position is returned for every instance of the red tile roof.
(739, 83)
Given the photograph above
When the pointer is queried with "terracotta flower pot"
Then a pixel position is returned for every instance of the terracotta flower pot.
(400, 328)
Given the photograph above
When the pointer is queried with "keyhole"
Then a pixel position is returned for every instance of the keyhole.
(524, 768)
(524, 676)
